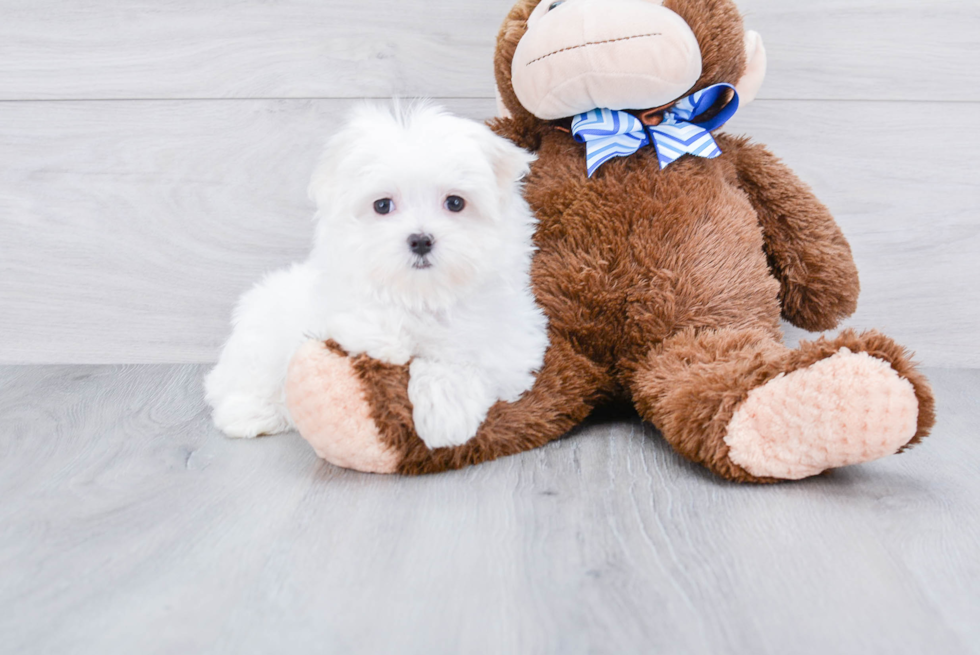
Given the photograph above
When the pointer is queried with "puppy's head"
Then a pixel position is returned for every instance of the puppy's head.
(420, 205)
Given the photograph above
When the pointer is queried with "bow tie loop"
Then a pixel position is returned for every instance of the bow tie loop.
(608, 133)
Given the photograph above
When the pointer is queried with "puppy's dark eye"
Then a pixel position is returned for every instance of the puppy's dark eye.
(455, 204)
(555, 4)
(384, 206)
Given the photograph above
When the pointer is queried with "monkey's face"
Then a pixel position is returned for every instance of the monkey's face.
(620, 54)
(579, 55)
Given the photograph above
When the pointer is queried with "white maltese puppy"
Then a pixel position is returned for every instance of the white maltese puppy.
(422, 254)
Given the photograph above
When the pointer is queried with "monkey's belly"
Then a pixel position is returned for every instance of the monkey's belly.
(621, 279)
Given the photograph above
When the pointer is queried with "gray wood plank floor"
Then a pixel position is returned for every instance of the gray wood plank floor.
(128, 525)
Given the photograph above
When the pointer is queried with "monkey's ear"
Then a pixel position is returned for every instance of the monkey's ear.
(755, 68)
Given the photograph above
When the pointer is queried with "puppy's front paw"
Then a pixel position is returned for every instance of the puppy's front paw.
(449, 402)
(246, 418)
(391, 353)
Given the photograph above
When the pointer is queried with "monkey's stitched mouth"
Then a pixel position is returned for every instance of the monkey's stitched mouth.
(575, 47)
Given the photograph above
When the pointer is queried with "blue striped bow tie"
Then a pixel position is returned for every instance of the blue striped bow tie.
(608, 133)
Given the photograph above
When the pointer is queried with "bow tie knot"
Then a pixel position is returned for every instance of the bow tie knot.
(608, 133)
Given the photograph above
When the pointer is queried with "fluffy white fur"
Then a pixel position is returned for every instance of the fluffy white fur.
(463, 314)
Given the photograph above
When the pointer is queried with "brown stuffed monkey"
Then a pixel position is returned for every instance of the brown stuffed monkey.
(663, 271)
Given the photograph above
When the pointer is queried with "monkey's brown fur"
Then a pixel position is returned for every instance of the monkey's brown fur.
(663, 288)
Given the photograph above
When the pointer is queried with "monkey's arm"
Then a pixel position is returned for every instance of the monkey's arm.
(807, 252)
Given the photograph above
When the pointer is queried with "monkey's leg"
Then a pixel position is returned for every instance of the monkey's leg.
(752, 410)
(356, 413)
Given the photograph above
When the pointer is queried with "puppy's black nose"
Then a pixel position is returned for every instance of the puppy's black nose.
(421, 244)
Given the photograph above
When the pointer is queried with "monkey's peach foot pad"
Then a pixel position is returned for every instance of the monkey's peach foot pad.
(846, 409)
(331, 411)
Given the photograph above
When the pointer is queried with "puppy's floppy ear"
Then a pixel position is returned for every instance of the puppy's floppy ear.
(510, 162)
(323, 189)
(755, 68)
(324, 175)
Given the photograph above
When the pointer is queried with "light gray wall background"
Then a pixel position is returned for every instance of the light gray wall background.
(154, 155)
